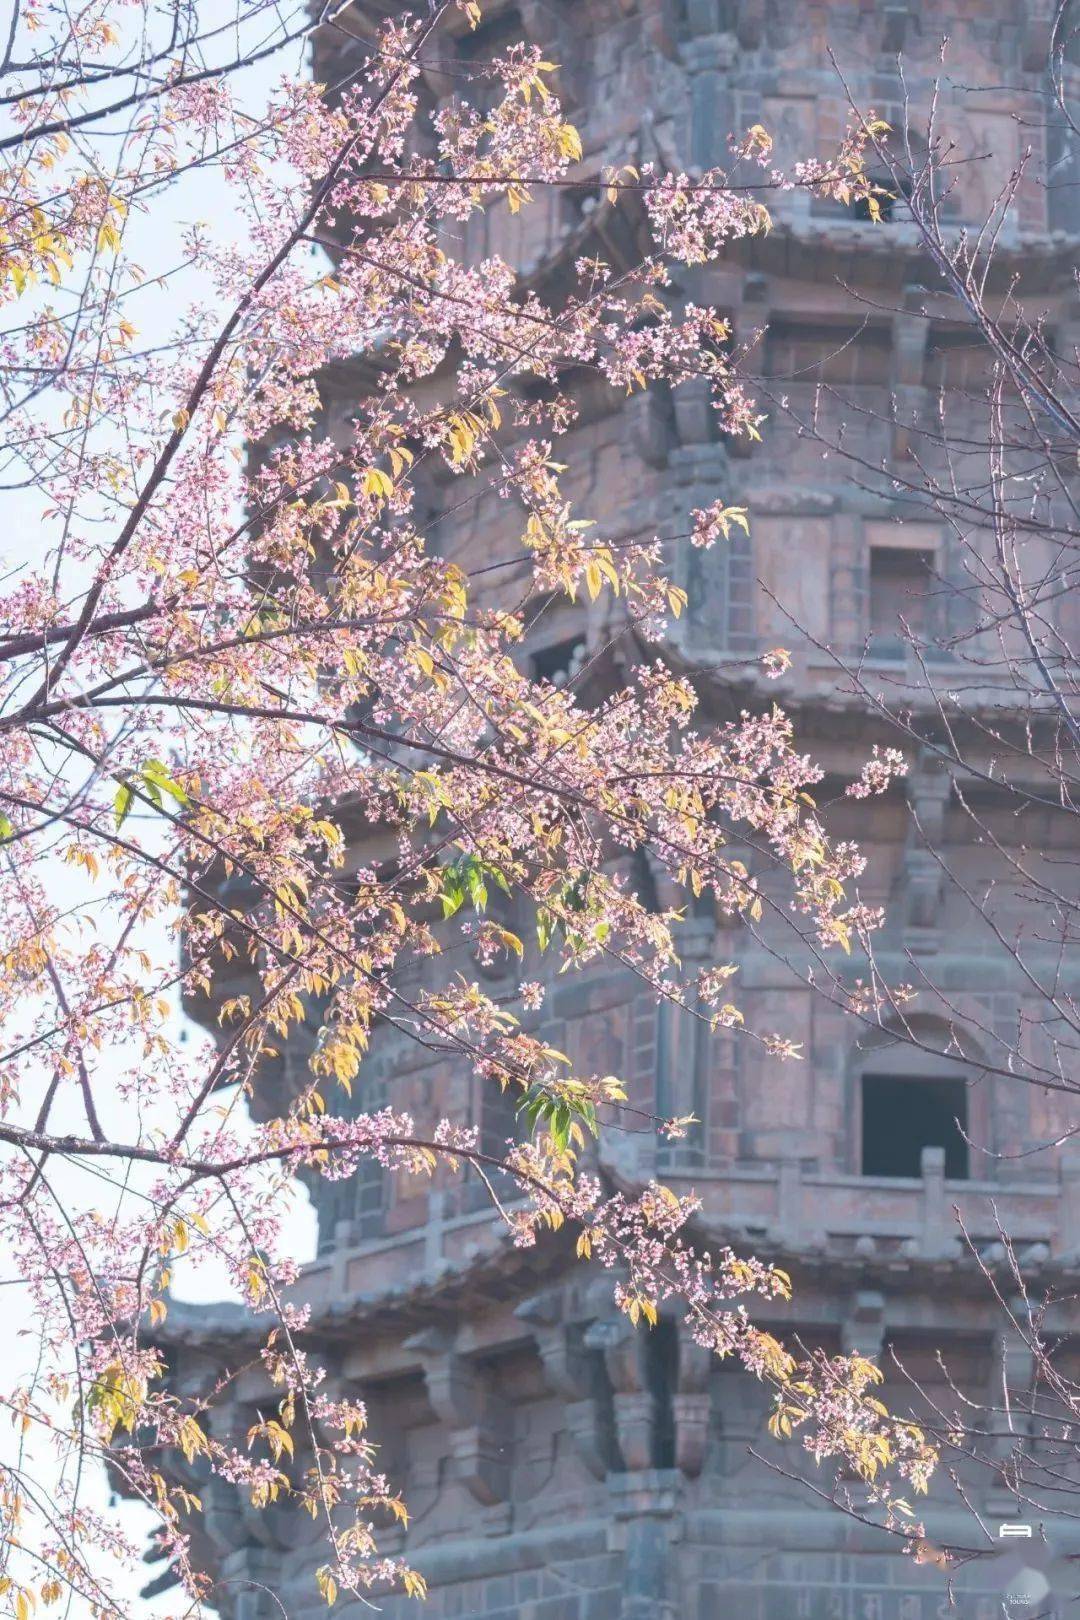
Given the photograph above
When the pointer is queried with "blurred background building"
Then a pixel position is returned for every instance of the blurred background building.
(558, 1465)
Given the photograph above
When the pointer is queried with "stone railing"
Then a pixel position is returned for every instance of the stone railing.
(877, 1217)
(781, 1208)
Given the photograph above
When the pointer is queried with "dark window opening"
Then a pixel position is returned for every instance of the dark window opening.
(359, 1200)
(576, 203)
(499, 1123)
(498, 1126)
(369, 1185)
(661, 1348)
(643, 880)
(370, 1205)
(332, 1203)
(559, 663)
(901, 1116)
(371, 1181)
(900, 582)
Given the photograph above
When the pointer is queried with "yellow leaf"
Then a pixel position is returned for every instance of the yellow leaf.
(570, 143)
(193, 1442)
(594, 579)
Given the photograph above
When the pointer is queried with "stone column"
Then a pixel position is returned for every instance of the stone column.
(631, 1400)
(709, 57)
(940, 1239)
(644, 1526)
(910, 332)
(921, 884)
(692, 1403)
(251, 1576)
(1011, 1379)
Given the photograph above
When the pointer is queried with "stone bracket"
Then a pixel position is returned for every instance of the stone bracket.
(479, 1447)
(691, 1403)
(863, 1329)
(480, 1460)
(631, 1401)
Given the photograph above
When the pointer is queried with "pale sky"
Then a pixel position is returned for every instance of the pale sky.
(154, 242)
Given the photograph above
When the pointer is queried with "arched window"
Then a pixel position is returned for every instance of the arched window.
(907, 1100)
(360, 1199)
(495, 1116)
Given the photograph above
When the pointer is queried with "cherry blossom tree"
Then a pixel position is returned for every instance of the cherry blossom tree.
(226, 644)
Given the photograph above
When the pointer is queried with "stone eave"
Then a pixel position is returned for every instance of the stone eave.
(505, 1276)
(402, 1308)
(887, 254)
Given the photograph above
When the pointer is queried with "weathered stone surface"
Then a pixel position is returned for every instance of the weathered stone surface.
(557, 1466)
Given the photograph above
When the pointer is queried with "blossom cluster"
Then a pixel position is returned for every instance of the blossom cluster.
(884, 766)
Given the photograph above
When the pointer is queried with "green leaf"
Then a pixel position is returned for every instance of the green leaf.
(122, 804)
(453, 894)
(154, 774)
(477, 887)
(573, 895)
(466, 876)
(535, 1105)
(6, 830)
